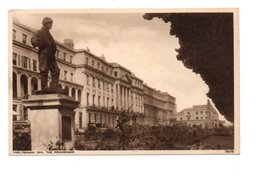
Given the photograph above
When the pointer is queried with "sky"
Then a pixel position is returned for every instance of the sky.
(144, 47)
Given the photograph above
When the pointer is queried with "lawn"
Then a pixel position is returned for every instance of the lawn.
(219, 142)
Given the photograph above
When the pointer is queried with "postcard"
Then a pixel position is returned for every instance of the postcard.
(125, 81)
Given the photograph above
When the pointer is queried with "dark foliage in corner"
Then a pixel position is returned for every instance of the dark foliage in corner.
(206, 47)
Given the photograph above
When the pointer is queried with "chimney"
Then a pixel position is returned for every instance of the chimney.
(69, 43)
(103, 57)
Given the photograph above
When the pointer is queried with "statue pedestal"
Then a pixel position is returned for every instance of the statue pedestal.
(52, 119)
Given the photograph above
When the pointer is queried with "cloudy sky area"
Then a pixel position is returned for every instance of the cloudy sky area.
(144, 47)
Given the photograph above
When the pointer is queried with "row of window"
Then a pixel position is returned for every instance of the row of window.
(138, 84)
(99, 66)
(65, 74)
(97, 118)
(197, 118)
(25, 62)
(24, 37)
(64, 56)
(106, 102)
(152, 112)
(139, 100)
(201, 112)
(97, 82)
(197, 112)
(58, 53)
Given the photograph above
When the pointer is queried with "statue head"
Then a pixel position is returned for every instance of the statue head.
(47, 22)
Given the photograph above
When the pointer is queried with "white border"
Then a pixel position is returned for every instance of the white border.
(141, 152)
(146, 168)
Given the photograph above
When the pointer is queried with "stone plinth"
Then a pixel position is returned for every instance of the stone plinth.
(50, 90)
(52, 119)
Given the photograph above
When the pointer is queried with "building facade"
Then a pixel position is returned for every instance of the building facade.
(104, 89)
(205, 116)
(160, 107)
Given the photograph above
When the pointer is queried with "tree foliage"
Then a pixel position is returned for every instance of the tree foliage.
(206, 47)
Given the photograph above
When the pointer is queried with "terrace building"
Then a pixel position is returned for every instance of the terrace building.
(104, 89)
(205, 116)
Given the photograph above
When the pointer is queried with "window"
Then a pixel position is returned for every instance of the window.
(107, 102)
(98, 65)
(86, 60)
(188, 112)
(24, 39)
(71, 59)
(106, 70)
(88, 99)
(98, 101)
(115, 74)
(79, 95)
(89, 118)
(93, 63)
(94, 84)
(201, 112)
(108, 85)
(80, 120)
(180, 118)
(93, 100)
(197, 118)
(104, 87)
(102, 68)
(14, 34)
(197, 112)
(34, 65)
(24, 62)
(71, 77)
(15, 59)
(98, 83)
(58, 53)
(29, 63)
(65, 75)
(201, 117)
(64, 56)
(87, 79)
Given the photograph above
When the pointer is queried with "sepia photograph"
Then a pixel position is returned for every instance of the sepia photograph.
(125, 81)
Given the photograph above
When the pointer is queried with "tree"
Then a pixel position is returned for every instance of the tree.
(206, 47)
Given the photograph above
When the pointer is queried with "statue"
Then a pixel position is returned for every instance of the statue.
(44, 42)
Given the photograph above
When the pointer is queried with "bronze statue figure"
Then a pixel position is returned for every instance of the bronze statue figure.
(44, 42)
